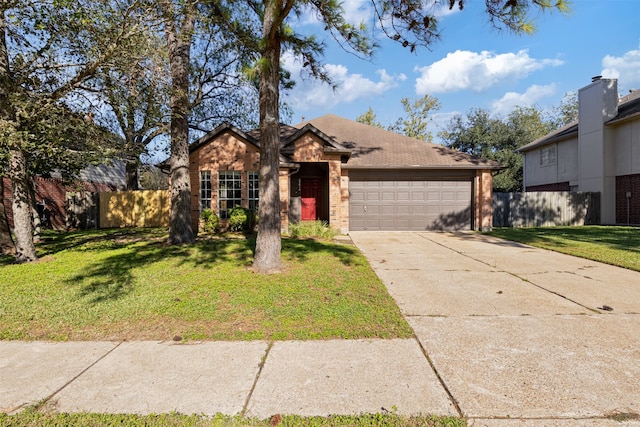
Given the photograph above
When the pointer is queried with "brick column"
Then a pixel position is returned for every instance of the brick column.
(344, 198)
(284, 199)
(484, 200)
(335, 195)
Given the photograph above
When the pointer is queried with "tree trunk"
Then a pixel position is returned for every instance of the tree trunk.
(6, 241)
(131, 173)
(268, 243)
(22, 228)
(35, 215)
(179, 42)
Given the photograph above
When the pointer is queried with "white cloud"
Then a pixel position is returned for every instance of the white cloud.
(463, 70)
(533, 94)
(350, 87)
(625, 68)
(355, 12)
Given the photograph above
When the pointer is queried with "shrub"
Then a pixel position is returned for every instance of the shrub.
(241, 219)
(312, 229)
(209, 221)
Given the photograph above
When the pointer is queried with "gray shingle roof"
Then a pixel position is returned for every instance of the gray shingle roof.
(628, 108)
(374, 147)
(565, 132)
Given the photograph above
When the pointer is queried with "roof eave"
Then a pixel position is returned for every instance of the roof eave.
(617, 121)
(423, 167)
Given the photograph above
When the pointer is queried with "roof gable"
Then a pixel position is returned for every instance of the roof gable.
(329, 144)
(224, 127)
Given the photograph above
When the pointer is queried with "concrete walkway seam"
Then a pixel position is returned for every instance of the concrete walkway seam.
(65, 385)
(255, 381)
(453, 400)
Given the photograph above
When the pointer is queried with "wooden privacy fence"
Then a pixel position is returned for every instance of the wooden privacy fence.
(146, 208)
(82, 209)
(545, 208)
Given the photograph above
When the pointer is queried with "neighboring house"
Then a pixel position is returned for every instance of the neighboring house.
(598, 153)
(351, 175)
(51, 192)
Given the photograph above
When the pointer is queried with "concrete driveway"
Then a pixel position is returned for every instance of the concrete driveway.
(516, 332)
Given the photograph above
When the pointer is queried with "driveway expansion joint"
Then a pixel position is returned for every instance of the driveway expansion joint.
(451, 397)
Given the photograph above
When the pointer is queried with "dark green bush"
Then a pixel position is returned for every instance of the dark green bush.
(241, 219)
(210, 222)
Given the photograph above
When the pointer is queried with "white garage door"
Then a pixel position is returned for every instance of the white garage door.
(409, 205)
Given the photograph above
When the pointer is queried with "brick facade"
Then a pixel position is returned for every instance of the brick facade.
(628, 209)
(53, 193)
(228, 152)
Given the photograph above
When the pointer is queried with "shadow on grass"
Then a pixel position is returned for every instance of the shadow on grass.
(53, 242)
(300, 250)
(113, 275)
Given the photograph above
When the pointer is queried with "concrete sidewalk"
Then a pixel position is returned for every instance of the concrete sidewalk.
(506, 335)
(255, 379)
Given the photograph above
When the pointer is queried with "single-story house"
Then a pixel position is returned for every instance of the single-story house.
(600, 152)
(351, 175)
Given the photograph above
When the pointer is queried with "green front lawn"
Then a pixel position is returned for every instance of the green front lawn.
(608, 244)
(129, 285)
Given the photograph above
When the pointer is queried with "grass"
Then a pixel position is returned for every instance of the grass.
(33, 419)
(613, 245)
(129, 285)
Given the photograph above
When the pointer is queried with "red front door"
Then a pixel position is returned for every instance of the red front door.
(310, 193)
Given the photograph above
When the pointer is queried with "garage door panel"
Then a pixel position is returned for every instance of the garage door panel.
(410, 205)
(403, 210)
(387, 210)
(387, 196)
(447, 196)
(402, 196)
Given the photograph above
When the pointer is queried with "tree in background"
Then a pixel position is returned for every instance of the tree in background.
(414, 123)
(136, 89)
(567, 112)
(418, 115)
(481, 135)
(409, 22)
(369, 118)
(44, 58)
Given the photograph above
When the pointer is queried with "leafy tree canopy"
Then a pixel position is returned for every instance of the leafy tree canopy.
(480, 134)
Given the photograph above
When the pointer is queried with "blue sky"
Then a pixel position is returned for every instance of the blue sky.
(475, 66)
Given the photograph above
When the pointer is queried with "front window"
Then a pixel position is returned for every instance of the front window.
(253, 184)
(205, 190)
(229, 192)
